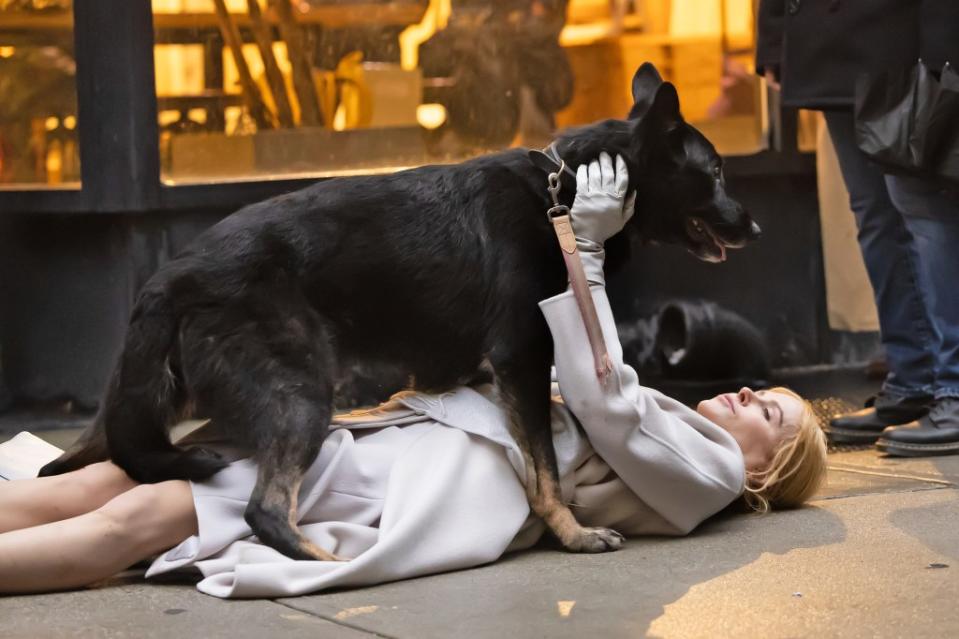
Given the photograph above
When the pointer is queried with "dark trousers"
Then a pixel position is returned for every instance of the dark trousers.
(909, 237)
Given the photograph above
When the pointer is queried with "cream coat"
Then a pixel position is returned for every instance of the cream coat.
(430, 483)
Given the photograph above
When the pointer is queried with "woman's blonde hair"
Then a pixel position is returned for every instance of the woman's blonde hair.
(797, 469)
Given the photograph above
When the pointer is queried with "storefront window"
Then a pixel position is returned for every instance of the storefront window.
(256, 89)
(807, 130)
(704, 47)
(38, 100)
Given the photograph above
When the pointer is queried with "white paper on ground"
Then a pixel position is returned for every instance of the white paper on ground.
(23, 456)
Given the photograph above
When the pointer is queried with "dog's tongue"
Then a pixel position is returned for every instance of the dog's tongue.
(717, 242)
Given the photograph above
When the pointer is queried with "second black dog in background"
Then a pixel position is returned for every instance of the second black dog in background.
(690, 348)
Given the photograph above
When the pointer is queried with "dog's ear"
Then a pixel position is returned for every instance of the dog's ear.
(645, 83)
(663, 124)
(665, 108)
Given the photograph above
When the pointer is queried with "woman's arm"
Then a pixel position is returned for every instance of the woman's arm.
(676, 461)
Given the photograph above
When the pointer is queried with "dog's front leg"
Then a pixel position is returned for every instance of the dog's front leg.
(523, 383)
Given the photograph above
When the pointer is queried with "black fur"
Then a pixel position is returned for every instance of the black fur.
(433, 269)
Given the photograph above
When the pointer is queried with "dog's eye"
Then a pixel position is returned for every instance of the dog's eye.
(717, 171)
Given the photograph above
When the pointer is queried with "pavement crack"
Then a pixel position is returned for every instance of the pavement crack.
(919, 489)
(876, 473)
(331, 619)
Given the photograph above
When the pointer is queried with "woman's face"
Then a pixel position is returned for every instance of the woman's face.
(757, 421)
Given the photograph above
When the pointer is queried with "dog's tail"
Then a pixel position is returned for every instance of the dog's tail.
(144, 399)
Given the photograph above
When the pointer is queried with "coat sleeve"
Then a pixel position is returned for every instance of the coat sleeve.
(679, 463)
(769, 36)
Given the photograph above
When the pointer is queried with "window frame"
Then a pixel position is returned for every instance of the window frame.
(119, 135)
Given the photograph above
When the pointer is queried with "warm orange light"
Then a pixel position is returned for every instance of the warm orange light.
(435, 18)
(431, 116)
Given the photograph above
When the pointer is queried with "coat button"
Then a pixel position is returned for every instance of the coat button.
(793, 6)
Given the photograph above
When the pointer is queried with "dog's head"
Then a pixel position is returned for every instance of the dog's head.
(678, 175)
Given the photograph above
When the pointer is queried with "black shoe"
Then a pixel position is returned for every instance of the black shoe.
(935, 434)
(884, 410)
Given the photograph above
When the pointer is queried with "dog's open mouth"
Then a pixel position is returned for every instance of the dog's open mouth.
(705, 243)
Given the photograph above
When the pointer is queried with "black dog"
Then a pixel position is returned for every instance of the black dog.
(437, 269)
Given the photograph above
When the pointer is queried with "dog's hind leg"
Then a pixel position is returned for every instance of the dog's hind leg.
(268, 378)
(523, 384)
(282, 462)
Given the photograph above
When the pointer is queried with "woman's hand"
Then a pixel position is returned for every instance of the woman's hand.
(601, 208)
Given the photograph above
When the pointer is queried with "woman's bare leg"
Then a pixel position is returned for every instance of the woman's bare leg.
(31, 502)
(140, 522)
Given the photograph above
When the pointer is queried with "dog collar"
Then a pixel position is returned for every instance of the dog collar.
(553, 155)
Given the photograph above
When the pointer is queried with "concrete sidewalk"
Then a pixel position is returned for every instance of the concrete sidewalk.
(876, 555)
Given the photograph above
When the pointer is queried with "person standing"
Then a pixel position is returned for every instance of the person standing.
(908, 227)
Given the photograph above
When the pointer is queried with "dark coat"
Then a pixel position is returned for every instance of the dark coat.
(819, 47)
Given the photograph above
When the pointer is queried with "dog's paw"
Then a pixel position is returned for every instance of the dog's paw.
(595, 540)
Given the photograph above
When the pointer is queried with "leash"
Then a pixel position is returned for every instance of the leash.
(558, 216)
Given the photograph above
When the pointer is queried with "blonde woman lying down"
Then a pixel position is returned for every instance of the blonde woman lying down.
(429, 483)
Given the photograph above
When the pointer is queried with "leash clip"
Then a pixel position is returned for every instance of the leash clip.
(555, 186)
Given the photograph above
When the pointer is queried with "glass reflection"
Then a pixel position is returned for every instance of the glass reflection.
(254, 89)
(38, 107)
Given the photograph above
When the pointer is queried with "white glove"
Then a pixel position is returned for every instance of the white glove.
(600, 210)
